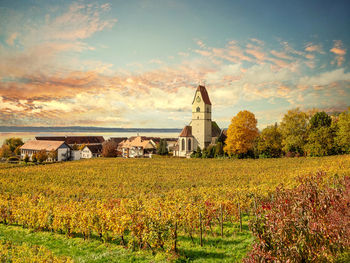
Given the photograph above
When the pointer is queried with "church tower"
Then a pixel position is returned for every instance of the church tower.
(201, 118)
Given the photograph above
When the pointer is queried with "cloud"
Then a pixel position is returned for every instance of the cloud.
(339, 52)
(310, 47)
(326, 78)
(45, 80)
(11, 39)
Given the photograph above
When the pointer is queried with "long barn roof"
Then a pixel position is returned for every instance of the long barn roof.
(42, 145)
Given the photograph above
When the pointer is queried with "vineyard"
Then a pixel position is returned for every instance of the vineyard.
(149, 204)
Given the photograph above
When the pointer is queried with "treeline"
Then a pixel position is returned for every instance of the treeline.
(300, 133)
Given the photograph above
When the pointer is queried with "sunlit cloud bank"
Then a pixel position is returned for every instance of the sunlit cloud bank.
(45, 79)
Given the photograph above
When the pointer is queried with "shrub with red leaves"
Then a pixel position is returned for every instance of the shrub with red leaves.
(310, 223)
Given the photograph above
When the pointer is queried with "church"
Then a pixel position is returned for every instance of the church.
(202, 131)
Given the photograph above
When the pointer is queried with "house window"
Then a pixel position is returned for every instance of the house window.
(189, 144)
(198, 109)
(183, 144)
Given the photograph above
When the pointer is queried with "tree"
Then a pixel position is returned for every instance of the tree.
(17, 151)
(294, 130)
(5, 151)
(75, 147)
(34, 158)
(109, 149)
(269, 143)
(241, 133)
(320, 119)
(162, 148)
(53, 155)
(320, 140)
(41, 156)
(81, 147)
(219, 149)
(26, 158)
(343, 131)
(198, 152)
(13, 143)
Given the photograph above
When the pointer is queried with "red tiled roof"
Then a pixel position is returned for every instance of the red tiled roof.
(97, 148)
(117, 139)
(186, 132)
(73, 139)
(204, 94)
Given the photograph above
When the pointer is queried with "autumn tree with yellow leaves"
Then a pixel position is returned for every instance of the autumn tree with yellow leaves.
(241, 133)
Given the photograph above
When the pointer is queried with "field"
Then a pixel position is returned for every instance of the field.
(124, 210)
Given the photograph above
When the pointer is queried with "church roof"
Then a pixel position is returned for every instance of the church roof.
(215, 130)
(186, 132)
(204, 94)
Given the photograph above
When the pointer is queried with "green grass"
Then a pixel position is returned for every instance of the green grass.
(232, 248)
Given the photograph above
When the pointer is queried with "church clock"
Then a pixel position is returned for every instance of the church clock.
(198, 99)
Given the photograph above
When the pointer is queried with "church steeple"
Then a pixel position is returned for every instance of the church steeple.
(201, 117)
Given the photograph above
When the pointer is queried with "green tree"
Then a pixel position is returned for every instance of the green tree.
(343, 131)
(320, 119)
(219, 149)
(198, 153)
(321, 135)
(162, 148)
(320, 142)
(13, 143)
(241, 134)
(269, 143)
(34, 158)
(26, 158)
(294, 130)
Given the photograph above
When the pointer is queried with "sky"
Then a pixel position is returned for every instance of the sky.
(138, 63)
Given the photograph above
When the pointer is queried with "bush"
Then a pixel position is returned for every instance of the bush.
(41, 156)
(26, 158)
(13, 159)
(310, 223)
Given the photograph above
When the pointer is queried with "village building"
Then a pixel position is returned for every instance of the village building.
(62, 149)
(74, 140)
(91, 151)
(138, 146)
(202, 131)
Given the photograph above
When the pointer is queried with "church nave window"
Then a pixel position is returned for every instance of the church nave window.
(183, 144)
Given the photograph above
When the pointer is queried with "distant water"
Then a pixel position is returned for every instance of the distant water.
(29, 133)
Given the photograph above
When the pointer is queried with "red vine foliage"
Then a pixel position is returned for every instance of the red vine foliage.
(310, 223)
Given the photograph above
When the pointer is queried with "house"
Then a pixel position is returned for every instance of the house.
(74, 140)
(91, 151)
(201, 131)
(62, 149)
(138, 146)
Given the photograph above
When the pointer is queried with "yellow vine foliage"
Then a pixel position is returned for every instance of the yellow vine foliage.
(22, 253)
(146, 202)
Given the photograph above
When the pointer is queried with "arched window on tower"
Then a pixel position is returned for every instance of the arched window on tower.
(189, 144)
(183, 144)
(198, 109)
